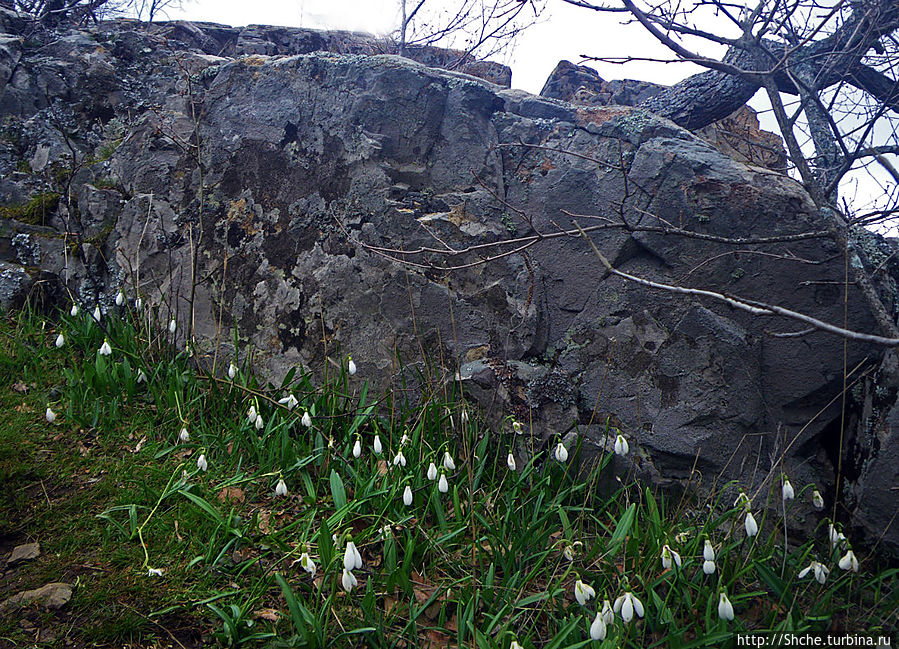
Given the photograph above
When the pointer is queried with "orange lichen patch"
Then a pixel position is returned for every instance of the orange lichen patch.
(254, 60)
(600, 115)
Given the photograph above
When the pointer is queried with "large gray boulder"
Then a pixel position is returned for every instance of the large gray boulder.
(310, 181)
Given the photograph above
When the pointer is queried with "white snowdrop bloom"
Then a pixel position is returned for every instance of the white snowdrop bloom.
(708, 567)
(172, 326)
(232, 371)
(725, 608)
(351, 557)
(598, 628)
(407, 496)
(669, 558)
(621, 445)
(836, 538)
(202, 464)
(308, 564)
(260, 423)
(138, 304)
(183, 436)
(141, 377)
(442, 484)
(607, 615)
(155, 572)
(290, 402)
(281, 488)
(105, 349)
(583, 592)
(708, 552)
(448, 463)
(510, 462)
(251, 414)
(568, 552)
(516, 426)
(849, 562)
(74, 310)
(432, 471)
(786, 490)
(682, 537)
(349, 580)
(817, 500)
(306, 420)
(463, 417)
(626, 605)
(561, 453)
(399, 459)
(120, 299)
(357, 448)
(50, 415)
(60, 340)
(819, 570)
(96, 315)
(751, 526)
(376, 446)
(351, 366)
(515, 644)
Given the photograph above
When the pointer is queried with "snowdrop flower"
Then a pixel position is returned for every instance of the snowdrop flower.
(708, 554)
(141, 377)
(448, 463)
(289, 401)
(306, 420)
(432, 471)
(751, 526)
(60, 340)
(583, 592)
(407, 496)
(232, 371)
(510, 462)
(260, 423)
(819, 569)
(351, 557)
(202, 465)
(627, 605)
(516, 426)
(120, 298)
(405, 438)
(621, 445)
(172, 326)
(561, 453)
(96, 314)
(817, 500)
(568, 552)
(51, 416)
(251, 414)
(74, 310)
(786, 491)
(349, 580)
(281, 488)
(667, 556)
(138, 303)
(708, 567)
(105, 349)
(442, 484)
(836, 538)
(515, 644)
(849, 562)
(357, 448)
(384, 532)
(377, 445)
(598, 628)
(399, 459)
(607, 615)
(351, 366)
(682, 537)
(308, 564)
(463, 417)
(155, 572)
(725, 608)
(184, 436)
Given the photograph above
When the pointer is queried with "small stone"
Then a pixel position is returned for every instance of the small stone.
(54, 595)
(24, 552)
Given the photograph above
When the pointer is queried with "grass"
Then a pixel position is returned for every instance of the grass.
(164, 553)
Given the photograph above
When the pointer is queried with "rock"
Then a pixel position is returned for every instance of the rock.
(738, 135)
(319, 169)
(51, 596)
(24, 552)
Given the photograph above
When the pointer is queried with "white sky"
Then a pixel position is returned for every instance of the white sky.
(565, 32)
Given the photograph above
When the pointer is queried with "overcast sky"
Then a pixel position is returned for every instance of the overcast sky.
(565, 32)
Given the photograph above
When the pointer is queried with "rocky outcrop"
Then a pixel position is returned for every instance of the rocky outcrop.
(738, 135)
(329, 195)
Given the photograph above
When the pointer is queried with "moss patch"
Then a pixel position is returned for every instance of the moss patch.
(35, 211)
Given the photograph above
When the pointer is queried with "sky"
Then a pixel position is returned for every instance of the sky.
(564, 32)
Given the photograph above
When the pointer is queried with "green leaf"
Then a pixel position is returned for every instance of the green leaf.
(338, 492)
(622, 528)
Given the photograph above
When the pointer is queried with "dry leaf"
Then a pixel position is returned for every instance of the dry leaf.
(383, 468)
(269, 614)
(231, 495)
(434, 639)
(18, 386)
(264, 520)
(140, 444)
